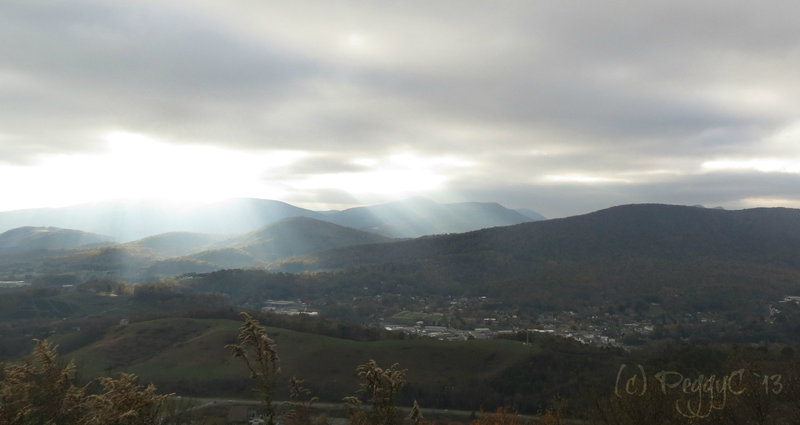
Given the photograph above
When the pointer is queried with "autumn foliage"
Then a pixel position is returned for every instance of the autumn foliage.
(38, 390)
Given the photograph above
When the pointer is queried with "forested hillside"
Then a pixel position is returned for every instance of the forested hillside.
(684, 257)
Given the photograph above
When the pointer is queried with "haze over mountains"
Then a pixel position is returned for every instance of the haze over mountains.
(127, 222)
(37, 250)
(223, 235)
(658, 252)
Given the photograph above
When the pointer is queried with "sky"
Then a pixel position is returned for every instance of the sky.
(563, 107)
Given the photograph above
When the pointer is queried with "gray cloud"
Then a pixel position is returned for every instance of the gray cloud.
(128, 48)
(321, 164)
(323, 200)
(635, 95)
(729, 190)
(91, 66)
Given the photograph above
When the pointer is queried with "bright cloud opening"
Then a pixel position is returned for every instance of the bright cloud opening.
(354, 40)
(580, 178)
(135, 166)
(756, 202)
(357, 44)
(764, 165)
(400, 175)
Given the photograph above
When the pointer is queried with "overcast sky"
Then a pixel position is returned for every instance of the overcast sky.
(564, 107)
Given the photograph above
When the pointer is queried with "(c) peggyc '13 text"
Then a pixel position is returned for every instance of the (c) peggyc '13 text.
(696, 396)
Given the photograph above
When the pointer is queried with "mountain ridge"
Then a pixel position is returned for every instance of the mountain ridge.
(128, 222)
(290, 237)
(420, 216)
(673, 229)
(683, 259)
(32, 238)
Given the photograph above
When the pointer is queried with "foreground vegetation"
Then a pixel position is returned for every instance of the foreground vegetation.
(39, 390)
(552, 378)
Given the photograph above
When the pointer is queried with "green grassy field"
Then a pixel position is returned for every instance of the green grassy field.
(188, 356)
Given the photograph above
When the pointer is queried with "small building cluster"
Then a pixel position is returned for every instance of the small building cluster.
(289, 308)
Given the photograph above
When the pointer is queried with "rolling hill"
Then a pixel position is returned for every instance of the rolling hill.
(179, 244)
(129, 221)
(172, 253)
(287, 238)
(188, 356)
(26, 239)
(299, 236)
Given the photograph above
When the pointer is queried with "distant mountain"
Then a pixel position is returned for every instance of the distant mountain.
(418, 216)
(116, 261)
(533, 215)
(288, 238)
(172, 253)
(26, 239)
(663, 231)
(703, 206)
(226, 258)
(131, 221)
(128, 221)
(179, 244)
(246, 214)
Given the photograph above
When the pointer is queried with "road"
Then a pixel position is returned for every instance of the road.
(338, 409)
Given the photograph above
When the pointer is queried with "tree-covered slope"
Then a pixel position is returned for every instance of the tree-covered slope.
(178, 244)
(299, 236)
(684, 257)
(659, 231)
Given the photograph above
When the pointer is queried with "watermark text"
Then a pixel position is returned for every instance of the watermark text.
(697, 396)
